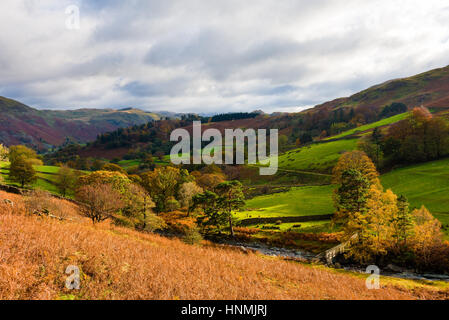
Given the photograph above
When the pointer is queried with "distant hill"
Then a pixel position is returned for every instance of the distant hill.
(43, 129)
(430, 89)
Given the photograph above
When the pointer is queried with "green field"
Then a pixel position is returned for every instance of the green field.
(129, 163)
(300, 201)
(373, 125)
(46, 176)
(426, 184)
(317, 157)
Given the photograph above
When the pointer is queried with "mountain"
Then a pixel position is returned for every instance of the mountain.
(43, 129)
(429, 89)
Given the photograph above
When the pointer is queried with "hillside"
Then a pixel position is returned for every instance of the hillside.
(351, 115)
(425, 183)
(430, 89)
(117, 263)
(43, 129)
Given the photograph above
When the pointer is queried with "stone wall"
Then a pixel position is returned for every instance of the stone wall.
(253, 221)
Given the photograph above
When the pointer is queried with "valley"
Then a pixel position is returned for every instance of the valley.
(397, 154)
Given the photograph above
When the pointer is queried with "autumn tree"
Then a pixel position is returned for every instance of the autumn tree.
(427, 235)
(16, 152)
(186, 193)
(4, 152)
(420, 137)
(65, 180)
(134, 198)
(139, 205)
(97, 164)
(161, 184)
(209, 181)
(372, 227)
(113, 168)
(438, 137)
(21, 171)
(372, 146)
(100, 201)
(357, 160)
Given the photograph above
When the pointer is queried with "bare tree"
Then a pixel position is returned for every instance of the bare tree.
(100, 201)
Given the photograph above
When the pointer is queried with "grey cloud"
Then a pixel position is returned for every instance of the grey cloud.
(212, 55)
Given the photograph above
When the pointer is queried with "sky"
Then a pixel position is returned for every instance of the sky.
(213, 56)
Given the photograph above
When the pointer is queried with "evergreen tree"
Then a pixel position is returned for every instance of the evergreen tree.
(402, 223)
(231, 198)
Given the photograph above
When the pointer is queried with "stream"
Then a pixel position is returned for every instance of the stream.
(303, 256)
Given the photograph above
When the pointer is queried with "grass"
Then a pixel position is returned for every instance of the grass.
(46, 176)
(381, 123)
(129, 163)
(423, 184)
(317, 157)
(300, 201)
(118, 263)
(47, 169)
(302, 227)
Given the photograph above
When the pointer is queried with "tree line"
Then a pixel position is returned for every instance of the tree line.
(419, 138)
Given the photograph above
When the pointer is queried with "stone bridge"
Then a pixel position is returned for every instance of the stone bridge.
(330, 255)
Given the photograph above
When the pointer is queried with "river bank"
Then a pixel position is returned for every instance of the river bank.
(307, 257)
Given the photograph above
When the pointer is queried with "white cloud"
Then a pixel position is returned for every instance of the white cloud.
(210, 55)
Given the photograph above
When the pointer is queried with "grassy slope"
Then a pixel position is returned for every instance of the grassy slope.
(323, 156)
(117, 263)
(302, 201)
(426, 184)
(381, 123)
(317, 157)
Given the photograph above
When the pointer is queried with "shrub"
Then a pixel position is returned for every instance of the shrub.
(121, 221)
(248, 231)
(172, 204)
(154, 223)
(177, 222)
(193, 236)
(39, 201)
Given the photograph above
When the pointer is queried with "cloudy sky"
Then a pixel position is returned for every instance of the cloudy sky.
(213, 56)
